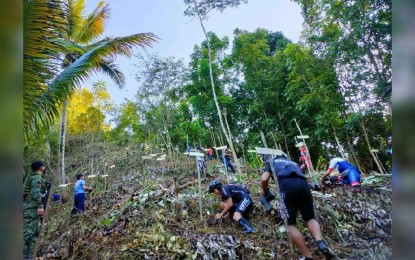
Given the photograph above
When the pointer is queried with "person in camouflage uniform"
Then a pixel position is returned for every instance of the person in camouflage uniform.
(32, 210)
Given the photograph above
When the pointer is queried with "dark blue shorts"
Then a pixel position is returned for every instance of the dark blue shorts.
(244, 207)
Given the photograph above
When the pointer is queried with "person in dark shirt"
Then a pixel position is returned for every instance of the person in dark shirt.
(296, 195)
(236, 203)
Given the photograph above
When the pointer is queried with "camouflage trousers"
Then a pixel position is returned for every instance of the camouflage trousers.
(31, 226)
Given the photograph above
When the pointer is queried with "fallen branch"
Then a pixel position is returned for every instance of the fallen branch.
(172, 187)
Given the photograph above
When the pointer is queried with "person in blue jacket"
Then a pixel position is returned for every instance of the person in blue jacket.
(349, 174)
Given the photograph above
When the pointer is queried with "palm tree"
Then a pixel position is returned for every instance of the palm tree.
(64, 35)
(54, 30)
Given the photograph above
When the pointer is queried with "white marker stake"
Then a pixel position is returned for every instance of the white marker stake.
(64, 185)
(112, 166)
(91, 176)
(221, 148)
(261, 150)
(147, 157)
(300, 144)
(196, 154)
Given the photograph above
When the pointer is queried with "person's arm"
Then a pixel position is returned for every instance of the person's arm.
(329, 170)
(326, 174)
(86, 187)
(228, 206)
(37, 194)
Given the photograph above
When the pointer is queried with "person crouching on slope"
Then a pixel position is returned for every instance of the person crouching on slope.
(349, 174)
(236, 203)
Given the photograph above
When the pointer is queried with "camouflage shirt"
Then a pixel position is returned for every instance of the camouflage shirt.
(34, 198)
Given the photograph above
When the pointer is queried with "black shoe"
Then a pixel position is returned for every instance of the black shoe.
(325, 250)
(269, 196)
(267, 206)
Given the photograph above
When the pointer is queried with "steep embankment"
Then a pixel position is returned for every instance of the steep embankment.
(143, 212)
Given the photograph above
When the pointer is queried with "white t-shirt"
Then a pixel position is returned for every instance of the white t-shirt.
(334, 162)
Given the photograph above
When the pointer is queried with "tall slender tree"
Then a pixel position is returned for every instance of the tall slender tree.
(201, 9)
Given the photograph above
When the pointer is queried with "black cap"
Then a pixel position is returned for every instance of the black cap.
(79, 175)
(36, 165)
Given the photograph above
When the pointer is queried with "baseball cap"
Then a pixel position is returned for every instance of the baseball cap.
(36, 165)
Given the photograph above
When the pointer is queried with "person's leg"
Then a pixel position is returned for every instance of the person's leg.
(238, 215)
(231, 166)
(30, 234)
(298, 240)
(307, 213)
(264, 182)
(314, 228)
(75, 206)
(354, 178)
(267, 196)
(81, 202)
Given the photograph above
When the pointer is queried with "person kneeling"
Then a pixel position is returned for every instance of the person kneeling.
(236, 203)
(349, 174)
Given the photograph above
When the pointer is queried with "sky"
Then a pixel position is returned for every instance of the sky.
(179, 34)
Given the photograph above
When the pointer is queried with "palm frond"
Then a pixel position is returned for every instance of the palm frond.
(125, 45)
(93, 26)
(75, 11)
(42, 21)
(113, 71)
(48, 102)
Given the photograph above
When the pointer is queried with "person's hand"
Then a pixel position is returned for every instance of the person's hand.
(218, 216)
(40, 212)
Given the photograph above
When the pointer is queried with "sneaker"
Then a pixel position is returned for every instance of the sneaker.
(325, 250)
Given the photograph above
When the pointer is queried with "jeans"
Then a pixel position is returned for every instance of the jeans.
(228, 165)
(79, 203)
